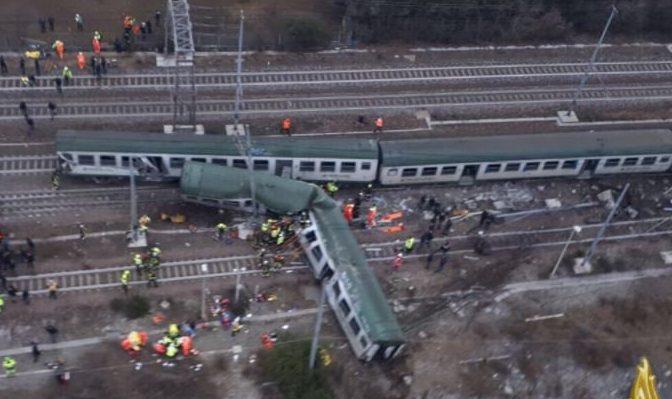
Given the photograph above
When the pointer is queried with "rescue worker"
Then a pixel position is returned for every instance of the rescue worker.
(426, 239)
(409, 244)
(95, 46)
(43, 25)
(236, 326)
(97, 36)
(481, 246)
(138, 263)
(286, 126)
(173, 331)
(171, 350)
(51, 22)
(348, 212)
(82, 232)
(371, 217)
(80, 23)
(442, 263)
(52, 110)
(81, 60)
(278, 262)
(36, 63)
(155, 251)
(152, 279)
(23, 108)
(379, 125)
(221, 230)
(52, 288)
(60, 48)
(67, 75)
(398, 261)
(281, 238)
(332, 188)
(2, 303)
(265, 268)
(430, 259)
(3, 66)
(125, 278)
(9, 364)
(23, 79)
(22, 66)
(58, 83)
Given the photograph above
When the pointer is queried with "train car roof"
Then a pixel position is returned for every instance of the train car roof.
(213, 145)
(525, 146)
(289, 196)
(366, 295)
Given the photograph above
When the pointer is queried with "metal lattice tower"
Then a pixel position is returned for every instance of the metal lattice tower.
(180, 43)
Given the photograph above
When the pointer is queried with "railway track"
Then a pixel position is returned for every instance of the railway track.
(190, 270)
(27, 164)
(351, 76)
(39, 203)
(397, 101)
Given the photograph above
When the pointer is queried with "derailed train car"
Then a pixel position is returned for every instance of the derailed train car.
(334, 256)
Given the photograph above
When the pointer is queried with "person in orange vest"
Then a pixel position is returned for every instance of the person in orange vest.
(81, 60)
(398, 261)
(286, 126)
(95, 44)
(266, 341)
(59, 47)
(379, 125)
(371, 217)
(348, 212)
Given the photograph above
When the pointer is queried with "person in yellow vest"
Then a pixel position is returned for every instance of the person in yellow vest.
(9, 364)
(138, 263)
(171, 351)
(221, 230)
(281, 238)
(125, 278)
(332, 188)
(409, 244)
(2, 303)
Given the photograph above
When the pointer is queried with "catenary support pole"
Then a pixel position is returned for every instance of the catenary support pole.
(603, 229)
(591, 67)
(318, 326)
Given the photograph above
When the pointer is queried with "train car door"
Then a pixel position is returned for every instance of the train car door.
(588, 170)
(469, 174)
(283, 168)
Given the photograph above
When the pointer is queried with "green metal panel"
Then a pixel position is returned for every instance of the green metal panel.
(158, 143)
(527, 146)
(290, 196)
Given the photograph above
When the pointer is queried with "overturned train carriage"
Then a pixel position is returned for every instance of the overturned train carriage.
(155, 156)
(335, 258)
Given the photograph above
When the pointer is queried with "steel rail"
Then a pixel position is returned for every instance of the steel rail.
(189, 270)
(157, 81)
(383, 102)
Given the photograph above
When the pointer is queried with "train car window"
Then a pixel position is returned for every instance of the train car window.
(570, 164)
(344, 306)
(86, 160)
(311, 236)
(108, 160)
(612, 162)
(531, 166)
(392, 172)
(328, 167)
(307, 166)
(248, 202)
(408, 172)
(67, 156)
(512, 167)
(550, 165)
(363, 341)
(366, 165)
(317, 253)
(664, 160)
(449, 170)
(355, 326)
(337, 289)
(260, 164)
(431, 171)
(493, 168)
(125, 162)
(648, 160)
(630, 161)
(176, 163)
(210, 201)
(348, 167)
(240, 163)
(232, 204)
(219, 161)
